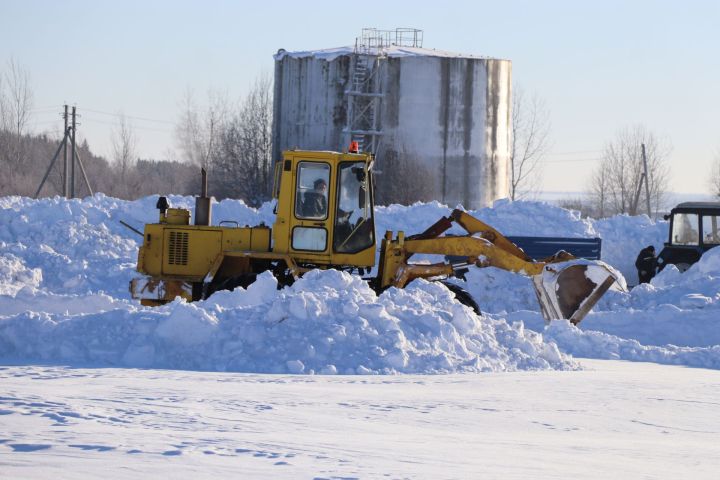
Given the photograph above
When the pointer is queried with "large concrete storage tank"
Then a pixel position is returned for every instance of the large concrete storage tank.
(446, 114)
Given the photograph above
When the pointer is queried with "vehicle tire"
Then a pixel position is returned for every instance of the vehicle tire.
(682, 266)
(462, 296)
(243, 280)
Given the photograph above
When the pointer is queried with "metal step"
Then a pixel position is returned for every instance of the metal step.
(359, 93)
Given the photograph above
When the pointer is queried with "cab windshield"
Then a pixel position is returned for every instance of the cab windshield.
(685, 229)
(354, 227)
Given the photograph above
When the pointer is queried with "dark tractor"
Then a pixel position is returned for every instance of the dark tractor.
(694, 230)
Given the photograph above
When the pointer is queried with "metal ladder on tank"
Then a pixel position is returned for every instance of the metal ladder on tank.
(364, 99)
(366, 90)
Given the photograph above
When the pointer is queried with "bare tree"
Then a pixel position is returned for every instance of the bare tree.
(256, 115)
(714, 180)
(244, 156)
(124, 156)
(530, 143)
(615, 185)
(199, 128)
(599, 190)
(16, 100)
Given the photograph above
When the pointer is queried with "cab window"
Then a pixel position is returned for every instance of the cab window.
(311, 191)
(710, 232)
(309, 238)
(354, 228)
(685, 229)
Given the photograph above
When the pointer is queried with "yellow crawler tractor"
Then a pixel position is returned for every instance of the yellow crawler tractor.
(325, 219)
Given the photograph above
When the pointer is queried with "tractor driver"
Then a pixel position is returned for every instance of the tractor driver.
(315, 202)
(646, 263)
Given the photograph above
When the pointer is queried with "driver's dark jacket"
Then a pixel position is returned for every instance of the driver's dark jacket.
(314, 204)
(646, 264)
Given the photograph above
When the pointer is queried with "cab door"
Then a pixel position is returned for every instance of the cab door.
(311, 209)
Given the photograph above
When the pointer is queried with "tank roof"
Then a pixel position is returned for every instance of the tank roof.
(331, 54)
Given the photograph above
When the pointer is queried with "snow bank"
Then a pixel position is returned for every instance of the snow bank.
(679, 309)
(328, 322)
(590, 344)
(65, 266)
(624, 236)
(76, 245)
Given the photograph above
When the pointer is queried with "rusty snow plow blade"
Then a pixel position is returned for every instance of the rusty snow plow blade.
(569, 290)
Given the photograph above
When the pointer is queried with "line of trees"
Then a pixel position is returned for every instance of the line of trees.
(233, 139)
(25, 156)
(616, 184)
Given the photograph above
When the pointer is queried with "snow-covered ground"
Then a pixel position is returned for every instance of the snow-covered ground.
(500, 393)
(611, 420)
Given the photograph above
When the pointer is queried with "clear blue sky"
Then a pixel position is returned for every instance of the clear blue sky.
(598, 65)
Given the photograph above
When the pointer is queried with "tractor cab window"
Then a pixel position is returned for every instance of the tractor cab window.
(354, 227)
(311, 194)
(685, 229)
(711, 233)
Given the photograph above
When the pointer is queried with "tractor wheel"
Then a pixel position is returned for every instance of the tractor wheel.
(462, 296)
(243, 280)
(682, 266)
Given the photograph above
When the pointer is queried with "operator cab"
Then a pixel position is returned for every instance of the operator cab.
(325, 208)
(694, 229)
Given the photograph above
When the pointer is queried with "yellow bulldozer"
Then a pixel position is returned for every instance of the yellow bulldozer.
(325, 219)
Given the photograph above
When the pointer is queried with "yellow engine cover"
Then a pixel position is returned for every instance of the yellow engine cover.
(188, 251)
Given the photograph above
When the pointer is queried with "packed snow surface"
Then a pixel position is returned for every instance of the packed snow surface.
(610, 420)
(65, 267)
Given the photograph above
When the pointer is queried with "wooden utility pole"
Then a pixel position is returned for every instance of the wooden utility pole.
(65, 175)
(72, 151)
(647, 183)
(63, 144)
(68, 176)
(637, 196)
(82, 170)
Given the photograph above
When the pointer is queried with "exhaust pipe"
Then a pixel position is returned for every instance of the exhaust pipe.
(203, 207)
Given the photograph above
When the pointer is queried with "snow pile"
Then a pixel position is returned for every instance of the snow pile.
(15, 275)
(74, 244)
(65, 267)
(591, 344)
(624, 236)
(510, 218)
(328, 322)
(675, 308)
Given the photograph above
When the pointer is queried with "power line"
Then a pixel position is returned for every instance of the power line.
(581, 152)
(103, 122)
(574, 160)
(52, 108)
(44, 111)
(45, 122)
(118, 115)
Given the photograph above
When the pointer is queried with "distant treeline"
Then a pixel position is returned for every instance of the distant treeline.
(232, 139)
(25, 159)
